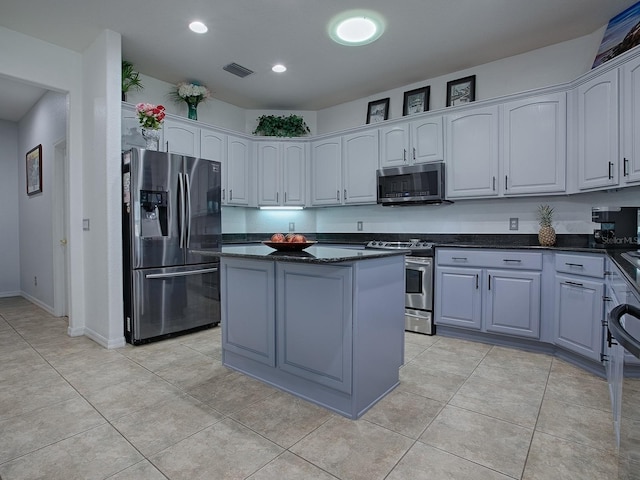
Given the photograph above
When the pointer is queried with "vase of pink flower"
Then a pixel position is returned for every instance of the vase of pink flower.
(150, 117)
(192, 94)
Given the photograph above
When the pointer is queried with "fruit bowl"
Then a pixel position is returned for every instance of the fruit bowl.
(288, 246)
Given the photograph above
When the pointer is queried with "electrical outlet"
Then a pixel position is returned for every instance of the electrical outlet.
(513, 223)
(292, 226)
(359, 226)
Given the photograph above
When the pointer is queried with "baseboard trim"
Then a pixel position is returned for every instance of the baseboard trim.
(102, 340)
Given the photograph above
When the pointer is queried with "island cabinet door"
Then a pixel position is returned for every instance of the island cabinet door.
(314, 323)
(247, 290)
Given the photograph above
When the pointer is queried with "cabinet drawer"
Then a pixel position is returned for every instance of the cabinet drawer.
(587, 265)
(515, 259)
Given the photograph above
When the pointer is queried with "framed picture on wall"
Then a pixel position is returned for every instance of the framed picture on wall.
(378, 110)
(416, 101)
(461, 91)
(34, 170)
(622, 34)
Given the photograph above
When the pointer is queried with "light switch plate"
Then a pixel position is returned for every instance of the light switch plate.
(513, 223)
(292, 226)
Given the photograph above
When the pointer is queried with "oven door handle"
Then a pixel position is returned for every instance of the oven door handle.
(422, 265)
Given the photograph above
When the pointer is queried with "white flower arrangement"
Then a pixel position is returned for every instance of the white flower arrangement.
(192, 93)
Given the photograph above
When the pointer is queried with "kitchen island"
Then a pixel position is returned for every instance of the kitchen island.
(325, 324)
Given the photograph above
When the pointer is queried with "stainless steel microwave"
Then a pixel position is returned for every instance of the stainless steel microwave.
(411, 185)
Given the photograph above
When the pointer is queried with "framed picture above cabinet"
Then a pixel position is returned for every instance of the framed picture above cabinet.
(416, 101)
(461, 91)
(378, 110)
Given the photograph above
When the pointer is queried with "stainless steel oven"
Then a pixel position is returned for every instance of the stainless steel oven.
(419, 294)
(418, 285)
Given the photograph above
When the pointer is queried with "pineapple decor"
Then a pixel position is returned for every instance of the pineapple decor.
(546, 234)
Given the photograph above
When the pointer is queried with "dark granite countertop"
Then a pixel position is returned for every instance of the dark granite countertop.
(313, 254)
(630, 269)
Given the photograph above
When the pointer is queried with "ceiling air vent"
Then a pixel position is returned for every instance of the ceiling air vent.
(238, 70)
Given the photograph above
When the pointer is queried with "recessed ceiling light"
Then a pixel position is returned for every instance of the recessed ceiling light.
(198, 27)
(279, 68)
(356, 27)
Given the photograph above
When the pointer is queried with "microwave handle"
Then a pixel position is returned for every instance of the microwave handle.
(404, 155)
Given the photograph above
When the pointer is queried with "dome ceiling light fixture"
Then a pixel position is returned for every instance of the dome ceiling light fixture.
(356, 27)
(198, 27)
(279, 68)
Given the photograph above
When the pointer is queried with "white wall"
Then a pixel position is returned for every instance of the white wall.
(102, 195)
(212, 112)
(9, 234)
(45, 124)
(553, 65)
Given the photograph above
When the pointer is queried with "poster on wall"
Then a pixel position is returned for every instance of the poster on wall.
(622, 34)
(34, 170)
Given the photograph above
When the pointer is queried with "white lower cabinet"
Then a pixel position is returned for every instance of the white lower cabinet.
(513, 303)
(579, 313)
(494, 300)
(458, 297)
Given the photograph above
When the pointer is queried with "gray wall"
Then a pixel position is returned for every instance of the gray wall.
(46, 124)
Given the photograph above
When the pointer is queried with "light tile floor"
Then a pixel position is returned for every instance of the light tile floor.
(70, 409)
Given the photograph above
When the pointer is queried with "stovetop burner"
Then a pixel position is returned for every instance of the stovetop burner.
(417, 245)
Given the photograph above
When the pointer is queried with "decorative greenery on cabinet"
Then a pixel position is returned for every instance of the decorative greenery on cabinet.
(281, 126)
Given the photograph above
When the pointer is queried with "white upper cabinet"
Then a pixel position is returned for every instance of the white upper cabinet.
(326, 172)
(281, 173)
(394, 145)
(343, 169)
(213, 146)
(597, 135)
(630, 127)
(238, 155)
(419, 141)
(426, 140)
(471, 153)
(534, 145)
(181, 138)
(360, 160)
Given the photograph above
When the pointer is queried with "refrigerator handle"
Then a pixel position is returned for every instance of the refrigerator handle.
(180, 274)
(187, 205)
(181, 208)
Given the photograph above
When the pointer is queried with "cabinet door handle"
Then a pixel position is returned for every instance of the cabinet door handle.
(230, 194)
(574, 264)
(277, 197)
(494, 183)
(285, 197)
(338, 195)
(625, 164)
(223, 193)
(505, 182)
(461, 259)
(575, 284)
(610, 170)
(167, 145)
(404, 155)
(513, 260)
(414, 153)
(345, 194)
(489, 287)
(477, 281)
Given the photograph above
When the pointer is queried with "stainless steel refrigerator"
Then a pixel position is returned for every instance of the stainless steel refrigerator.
(171, 221)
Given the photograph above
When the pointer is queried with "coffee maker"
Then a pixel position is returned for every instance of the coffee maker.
(618, 226)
